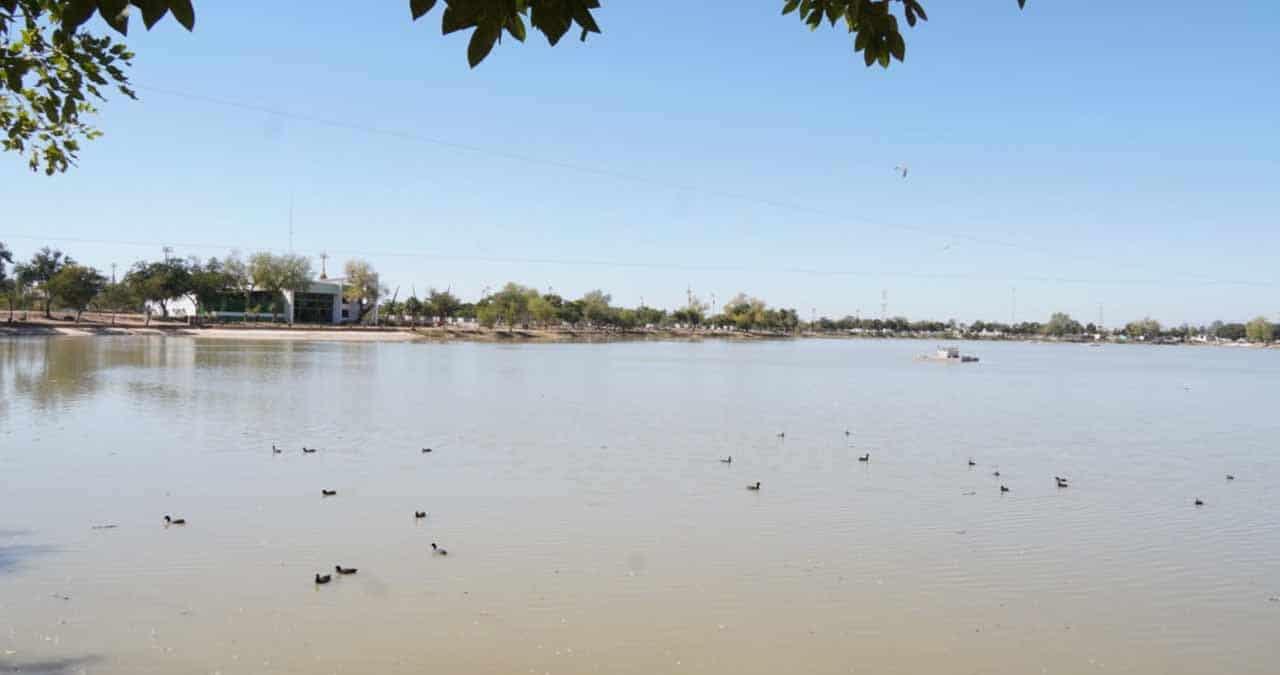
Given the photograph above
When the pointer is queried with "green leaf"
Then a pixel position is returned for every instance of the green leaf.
(790, 7)
(897, 46)
(455, 20)
(552, 21)
(515, 26)
(116, 14)
(482, 42)
(419, 7)
(76, 12)
(152, 11)
(184, 13)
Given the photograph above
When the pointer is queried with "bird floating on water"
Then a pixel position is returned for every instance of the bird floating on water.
(419, 514)
(756, 486)
(782, 434)
(727, 460)
(1062, 482)
(426, 450)
(437, 550)
(344, 570)
(996, 473)
(275, 450)
(972, 463)
(1004, 488)
(1231, 476)
(323, 578)
(865, 458)
(174, 521)
(308, 451)
(1199, 502)
(328, 493)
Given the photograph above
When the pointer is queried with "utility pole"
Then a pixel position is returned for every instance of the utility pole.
(713, 304)
(113, 273)
(884, 305)
(168, 251)
(324, 259)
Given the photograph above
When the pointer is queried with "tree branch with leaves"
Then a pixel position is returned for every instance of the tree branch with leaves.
(52, 70)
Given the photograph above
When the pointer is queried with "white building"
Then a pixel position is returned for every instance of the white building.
(321, 303)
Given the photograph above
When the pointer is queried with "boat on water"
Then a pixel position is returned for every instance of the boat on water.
(949, 355)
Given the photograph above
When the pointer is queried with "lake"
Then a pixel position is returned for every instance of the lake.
(591, 527)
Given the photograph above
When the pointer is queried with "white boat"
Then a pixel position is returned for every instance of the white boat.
(950, 355)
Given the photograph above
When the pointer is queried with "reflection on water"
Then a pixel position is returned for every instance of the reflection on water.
(591, 527)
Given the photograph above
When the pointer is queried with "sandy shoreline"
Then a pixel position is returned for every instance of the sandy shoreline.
(343, 334)
(43, 328)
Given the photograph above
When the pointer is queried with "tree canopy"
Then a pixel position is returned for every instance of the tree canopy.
(52, 69)
(1260, 330)
(1147, 328)
(76, 286)
(362, 286)
(1061, 324)
(6, 256)
(160, 281)
(44, 264)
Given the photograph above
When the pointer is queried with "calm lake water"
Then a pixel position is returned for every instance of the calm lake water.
(592, 529)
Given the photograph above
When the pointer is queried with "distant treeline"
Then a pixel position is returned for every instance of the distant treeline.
(52, 279)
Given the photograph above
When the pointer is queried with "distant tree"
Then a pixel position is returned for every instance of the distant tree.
(595, 307)
(649, 316)
(1260, 330)
(744, 312)
(692, 314)
(116, 297)
(279, 273)
(1146, 329)
(44, 264)
(413, 307)
(159, 282)
(541, 311)
(1061, 324)
(76, 286)
(239, 279)
(1231, 331)
(362, 286)
(209, 282)
(570, 312)
(443, 304)
(393, 311)
(7, 286)
(508, 306)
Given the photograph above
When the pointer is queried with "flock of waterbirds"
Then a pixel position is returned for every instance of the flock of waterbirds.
(341, 571)
(1061, 481)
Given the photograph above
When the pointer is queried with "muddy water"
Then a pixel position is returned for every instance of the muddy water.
(591, 527)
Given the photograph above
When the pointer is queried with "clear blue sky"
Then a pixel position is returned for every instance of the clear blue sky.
(1084, 153)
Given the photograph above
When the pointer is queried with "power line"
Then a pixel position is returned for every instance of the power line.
(625, 264)
(842, 218)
